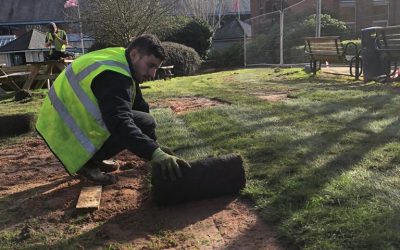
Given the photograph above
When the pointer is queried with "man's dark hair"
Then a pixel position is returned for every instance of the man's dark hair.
(147, 44)
(51, 27)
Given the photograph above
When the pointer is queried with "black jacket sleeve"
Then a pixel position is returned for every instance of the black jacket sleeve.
(113, 93)
(140, 104)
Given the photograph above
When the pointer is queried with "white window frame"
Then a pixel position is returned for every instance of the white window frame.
(380, 2)
(347, 3)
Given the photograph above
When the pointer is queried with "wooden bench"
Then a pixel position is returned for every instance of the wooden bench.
(331, 49)
(17, 76)
(387, 41)
(165, 72)
(44, 72)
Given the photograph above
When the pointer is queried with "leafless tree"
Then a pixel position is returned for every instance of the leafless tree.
(210, 11)
(115, 22)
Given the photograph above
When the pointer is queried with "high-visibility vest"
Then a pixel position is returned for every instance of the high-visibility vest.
(70, 120)
(58, 45)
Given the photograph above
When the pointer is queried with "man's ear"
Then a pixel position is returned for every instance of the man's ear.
(133, 55)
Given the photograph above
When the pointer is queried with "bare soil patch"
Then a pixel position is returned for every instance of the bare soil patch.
(185, 104)
(273, 96)
(38, 197)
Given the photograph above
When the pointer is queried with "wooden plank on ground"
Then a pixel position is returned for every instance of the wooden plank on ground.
(89, 198)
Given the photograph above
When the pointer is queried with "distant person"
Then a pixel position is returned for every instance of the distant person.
(57, 40)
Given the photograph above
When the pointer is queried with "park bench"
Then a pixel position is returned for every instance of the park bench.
(387, 41)
(165, 72)
(331, 49)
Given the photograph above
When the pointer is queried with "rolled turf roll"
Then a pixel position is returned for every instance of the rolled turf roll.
(16, 124)
(207, 178)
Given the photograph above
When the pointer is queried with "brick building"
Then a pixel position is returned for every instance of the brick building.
(357, 14)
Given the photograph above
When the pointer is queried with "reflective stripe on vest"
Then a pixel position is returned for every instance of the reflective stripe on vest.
(70, 119)
(74, 80)
(70, 122)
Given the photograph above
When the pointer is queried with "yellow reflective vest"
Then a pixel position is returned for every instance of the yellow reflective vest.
(70, 120)
(58, 45)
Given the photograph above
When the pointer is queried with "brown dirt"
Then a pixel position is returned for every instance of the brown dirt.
(273, 96)
(185, 104)
(35, 187)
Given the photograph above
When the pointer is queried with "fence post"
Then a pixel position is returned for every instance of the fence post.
(244, 48)
(281, 36)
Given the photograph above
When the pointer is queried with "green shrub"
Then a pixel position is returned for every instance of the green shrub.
(229, 57)
(194, 33)
(295, 32)
(296, 54)
(351, 49)
(186, 61)
(263, 48)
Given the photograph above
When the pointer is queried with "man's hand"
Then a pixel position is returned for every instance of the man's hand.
(55, 36)
(169, 164)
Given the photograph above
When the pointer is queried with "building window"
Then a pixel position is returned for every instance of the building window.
(347, 3)
(380, 2)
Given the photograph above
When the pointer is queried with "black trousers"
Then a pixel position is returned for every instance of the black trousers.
(55, 55)
(113, 145)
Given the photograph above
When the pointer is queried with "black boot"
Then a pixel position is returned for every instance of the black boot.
(96, 176)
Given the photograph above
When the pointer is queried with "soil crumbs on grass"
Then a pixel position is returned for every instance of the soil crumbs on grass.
(39, 198)
(185, 104)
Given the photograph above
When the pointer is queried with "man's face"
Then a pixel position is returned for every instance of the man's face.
(52, 28)
(145, 66)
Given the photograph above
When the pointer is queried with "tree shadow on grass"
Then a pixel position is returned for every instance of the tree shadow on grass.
(296, 183)
(38, 201)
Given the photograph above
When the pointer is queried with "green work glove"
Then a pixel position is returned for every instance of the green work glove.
(169, 164)
(167, 150)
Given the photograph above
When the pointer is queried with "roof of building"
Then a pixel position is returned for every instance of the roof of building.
(76, 37)
(32, 40)
(6, 39)
(19, 11)
(233, 30)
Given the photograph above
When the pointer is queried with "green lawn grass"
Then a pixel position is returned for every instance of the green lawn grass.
(322, 165)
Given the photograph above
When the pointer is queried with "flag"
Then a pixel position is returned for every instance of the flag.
(71, 3)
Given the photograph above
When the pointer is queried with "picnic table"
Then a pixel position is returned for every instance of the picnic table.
(9, 77)
(53, 68)
(165, 72)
